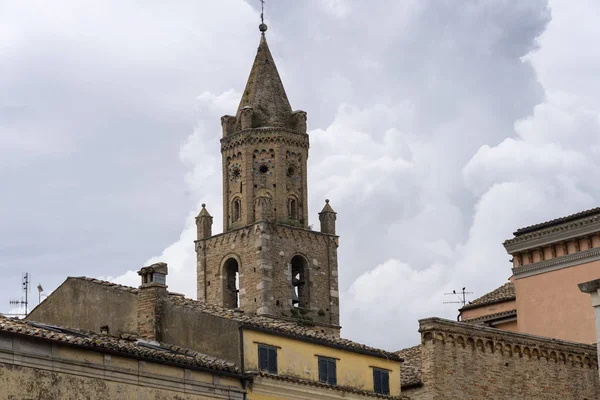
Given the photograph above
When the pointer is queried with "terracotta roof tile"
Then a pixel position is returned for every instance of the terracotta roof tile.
(410, 370)
(339, 388)
(557, 221)
(491, 317)
(276, 325)
(505, 292)
(105, 343)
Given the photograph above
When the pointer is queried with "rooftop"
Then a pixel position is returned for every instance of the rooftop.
(410, 370)
(278, 326)
(126, 346)
(557, 221)
(505, 292)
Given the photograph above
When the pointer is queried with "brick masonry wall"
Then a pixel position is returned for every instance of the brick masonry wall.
(462, 361)
(264, 252)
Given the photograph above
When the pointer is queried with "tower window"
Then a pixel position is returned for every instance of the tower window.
(299, 282)
(237, 210)
(231, 283)
(292, 209)
(263, 168)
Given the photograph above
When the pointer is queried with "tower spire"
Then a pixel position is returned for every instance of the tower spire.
(264, 93)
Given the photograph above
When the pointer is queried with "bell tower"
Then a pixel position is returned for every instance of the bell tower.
(267, 260)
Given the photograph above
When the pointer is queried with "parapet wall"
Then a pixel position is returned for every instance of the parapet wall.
(463, 361)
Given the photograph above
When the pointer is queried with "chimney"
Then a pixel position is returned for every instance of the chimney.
(150, 305)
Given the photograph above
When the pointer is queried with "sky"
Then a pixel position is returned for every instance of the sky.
(437, 128)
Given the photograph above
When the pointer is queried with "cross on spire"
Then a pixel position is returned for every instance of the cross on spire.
(262, 11)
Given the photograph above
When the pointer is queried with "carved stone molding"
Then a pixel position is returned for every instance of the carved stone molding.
(553, 264)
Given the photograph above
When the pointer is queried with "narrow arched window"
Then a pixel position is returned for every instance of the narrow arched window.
(231, 283)
(237, 210)
(292, 209)
(300, 287)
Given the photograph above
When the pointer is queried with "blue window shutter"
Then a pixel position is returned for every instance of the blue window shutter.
(331, 372)
(272, 361)
(377, 381)
(385, 382)
(322, 370)
(263, 358)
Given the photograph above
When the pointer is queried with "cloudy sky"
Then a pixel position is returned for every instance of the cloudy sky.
(437, 128)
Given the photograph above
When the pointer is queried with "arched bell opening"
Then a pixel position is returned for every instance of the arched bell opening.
(231, 284)
(300, 282)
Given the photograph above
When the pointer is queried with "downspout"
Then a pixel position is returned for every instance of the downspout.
(244, 381)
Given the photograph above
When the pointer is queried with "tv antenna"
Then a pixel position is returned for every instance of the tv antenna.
(461, 296)
(25, 288)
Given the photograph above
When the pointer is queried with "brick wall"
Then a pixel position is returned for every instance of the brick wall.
(462, 361)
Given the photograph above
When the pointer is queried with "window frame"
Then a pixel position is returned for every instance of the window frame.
(382, 382)
(330, 377)
(270, 350)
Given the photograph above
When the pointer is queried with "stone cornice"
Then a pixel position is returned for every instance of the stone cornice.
(553, 264)
(558, 233)
(492, 340)
(262, 135)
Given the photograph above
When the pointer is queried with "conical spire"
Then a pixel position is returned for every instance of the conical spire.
(327, 217)
(264, 92)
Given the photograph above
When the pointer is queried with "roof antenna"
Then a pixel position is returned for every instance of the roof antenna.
(262, 27)
(462, 301)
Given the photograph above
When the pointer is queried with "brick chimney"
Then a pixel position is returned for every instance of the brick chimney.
(150, 305)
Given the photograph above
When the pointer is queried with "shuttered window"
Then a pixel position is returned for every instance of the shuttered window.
(267, 359)
(381, 381)
(327, 371)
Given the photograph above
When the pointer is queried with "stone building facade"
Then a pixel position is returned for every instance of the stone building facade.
(267, 261)
(459, 361)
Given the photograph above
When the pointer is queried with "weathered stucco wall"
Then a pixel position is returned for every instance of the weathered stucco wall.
(208, 334)
(81, 304)
(550, 304)
(35, 369)
(299, 359)
(489, 309)
(461, 361)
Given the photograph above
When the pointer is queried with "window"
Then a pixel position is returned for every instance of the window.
(267, 359)
(327, 372)
(381, 381)
(292, 209)
(237, 212)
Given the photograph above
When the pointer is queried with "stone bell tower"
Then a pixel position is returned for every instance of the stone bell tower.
(267, 260)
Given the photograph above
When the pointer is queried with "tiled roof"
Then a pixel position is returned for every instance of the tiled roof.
(557, 221)
(282, 326)
(505, 292)
(275, 325)
(492, 317)
(410, 370)
(346, 389)
(110, 344)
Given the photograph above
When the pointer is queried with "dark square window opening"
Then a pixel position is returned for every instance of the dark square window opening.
(267, 359)
(327, 371)
(381, 381)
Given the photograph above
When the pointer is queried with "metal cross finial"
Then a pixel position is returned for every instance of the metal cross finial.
(262, 27)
